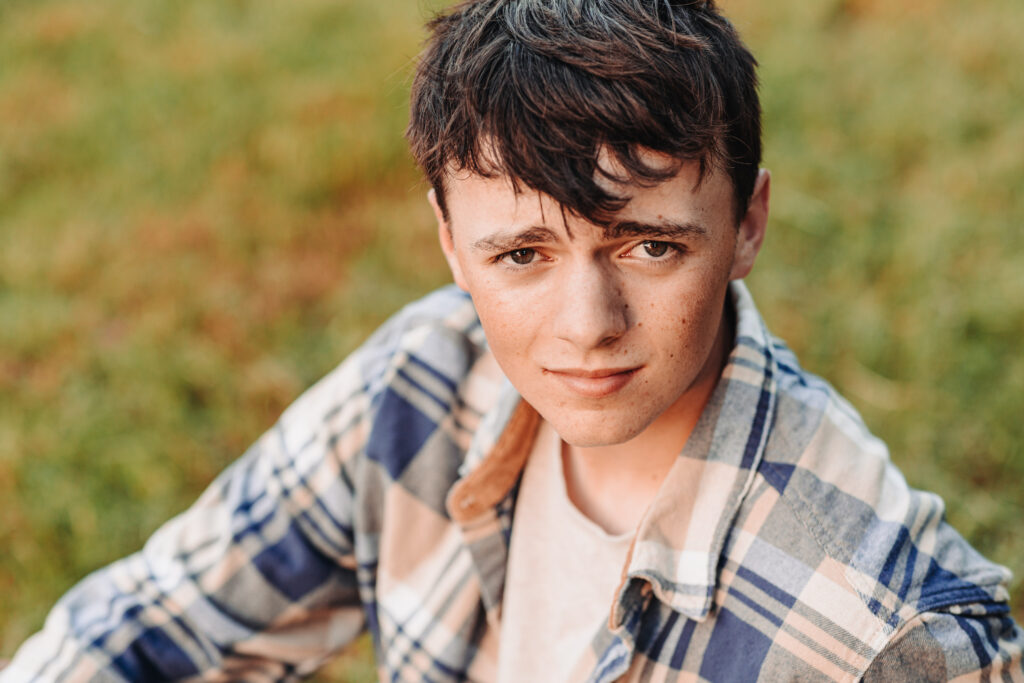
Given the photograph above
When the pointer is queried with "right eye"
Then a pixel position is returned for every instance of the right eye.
(520, 257)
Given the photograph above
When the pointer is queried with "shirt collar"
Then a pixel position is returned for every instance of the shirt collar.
(682, 535)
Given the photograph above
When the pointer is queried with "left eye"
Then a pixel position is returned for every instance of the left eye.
(655, 249)
(521, 257)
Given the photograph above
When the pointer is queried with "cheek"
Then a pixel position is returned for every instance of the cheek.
(506, 319)
(686, 322)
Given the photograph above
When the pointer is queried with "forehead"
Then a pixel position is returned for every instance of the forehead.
(476, 202)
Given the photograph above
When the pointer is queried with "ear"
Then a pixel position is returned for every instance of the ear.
(444, 235)
(750, 234)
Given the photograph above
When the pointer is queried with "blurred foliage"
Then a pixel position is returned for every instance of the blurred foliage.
(205, 206)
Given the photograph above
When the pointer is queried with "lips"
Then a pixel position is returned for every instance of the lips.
(593, 383)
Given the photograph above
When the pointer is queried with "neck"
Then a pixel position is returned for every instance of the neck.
(613, 485)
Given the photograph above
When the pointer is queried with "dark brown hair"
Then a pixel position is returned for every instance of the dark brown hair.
(535, 89)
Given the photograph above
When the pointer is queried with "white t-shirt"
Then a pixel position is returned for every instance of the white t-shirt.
(563, 573)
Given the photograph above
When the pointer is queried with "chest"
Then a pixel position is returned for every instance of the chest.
(431, 596)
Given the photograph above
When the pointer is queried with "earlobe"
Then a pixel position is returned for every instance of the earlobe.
(444, 236)
(750, 234)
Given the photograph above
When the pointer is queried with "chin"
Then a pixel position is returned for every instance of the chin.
(594, 430)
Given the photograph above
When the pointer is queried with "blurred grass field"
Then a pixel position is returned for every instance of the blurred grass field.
(205, 206)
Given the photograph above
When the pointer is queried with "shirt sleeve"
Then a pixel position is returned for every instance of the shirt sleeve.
(255, 582)
(962, 645)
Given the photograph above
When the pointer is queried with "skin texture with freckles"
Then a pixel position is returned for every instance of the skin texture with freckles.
(615, 334)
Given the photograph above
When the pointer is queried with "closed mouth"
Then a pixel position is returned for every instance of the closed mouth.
(593, 383)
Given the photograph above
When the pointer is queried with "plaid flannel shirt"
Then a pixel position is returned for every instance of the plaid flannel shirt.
(783, 546)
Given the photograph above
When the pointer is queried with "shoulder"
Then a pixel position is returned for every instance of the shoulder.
(396, 410)
(837, 477)
(403, 402)
(868, 539)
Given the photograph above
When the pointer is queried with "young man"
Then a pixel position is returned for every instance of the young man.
(590, 460)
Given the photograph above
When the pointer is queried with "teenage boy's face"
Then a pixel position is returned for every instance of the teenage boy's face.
(604, 330)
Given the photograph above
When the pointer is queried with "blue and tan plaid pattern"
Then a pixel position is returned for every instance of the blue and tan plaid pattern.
(783, 546)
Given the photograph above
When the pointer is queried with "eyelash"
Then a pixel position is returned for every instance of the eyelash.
(507, 259)
(672, 250)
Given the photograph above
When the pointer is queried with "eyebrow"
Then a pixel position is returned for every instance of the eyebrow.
(512, 241)
(502, 242)
(664, 230)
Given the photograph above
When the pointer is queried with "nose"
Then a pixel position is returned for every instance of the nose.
(593, 311)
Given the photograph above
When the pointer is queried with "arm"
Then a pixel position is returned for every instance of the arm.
(946, 646)
(255, 581)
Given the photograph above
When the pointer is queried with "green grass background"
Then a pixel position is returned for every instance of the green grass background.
(205, 205)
